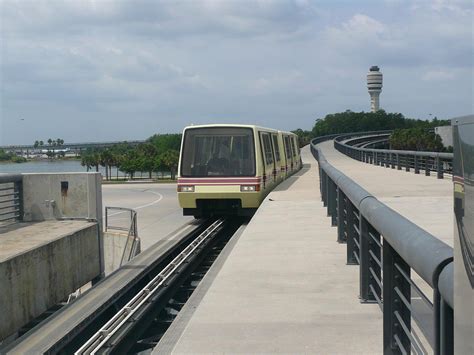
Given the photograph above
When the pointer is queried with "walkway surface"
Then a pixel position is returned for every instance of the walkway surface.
(424, 200)
(284, 286)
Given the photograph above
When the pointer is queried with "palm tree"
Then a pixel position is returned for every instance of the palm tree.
(170, 159)
(36, 144)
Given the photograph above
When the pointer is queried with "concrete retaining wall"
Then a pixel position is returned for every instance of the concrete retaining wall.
(34, 280)
(54, 196)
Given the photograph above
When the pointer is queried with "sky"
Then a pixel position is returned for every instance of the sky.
(102, 70)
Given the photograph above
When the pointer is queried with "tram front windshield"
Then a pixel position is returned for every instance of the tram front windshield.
(218, 151)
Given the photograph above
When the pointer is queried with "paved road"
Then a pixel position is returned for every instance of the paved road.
(157, 205)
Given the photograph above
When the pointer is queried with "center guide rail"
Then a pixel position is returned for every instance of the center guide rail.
(103, 341)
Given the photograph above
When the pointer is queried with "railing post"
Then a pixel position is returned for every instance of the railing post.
(396, 291)
(439, 168)
(444, 325)
(352, 248)
(368, 269)
(417, 164)
(392, 161)
(407, 163)
(324, 194)
(332, 202)
(399, 167)
(427, 166)
(341, 216)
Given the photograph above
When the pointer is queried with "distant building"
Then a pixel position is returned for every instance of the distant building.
(446, 134)
(374, 84)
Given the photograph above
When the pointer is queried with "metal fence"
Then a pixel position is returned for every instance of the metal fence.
(440, 163)
(125, 220)
(390, 250)
(11, 199)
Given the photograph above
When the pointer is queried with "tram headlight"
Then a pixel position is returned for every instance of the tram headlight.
(185, 188)
(249, 188)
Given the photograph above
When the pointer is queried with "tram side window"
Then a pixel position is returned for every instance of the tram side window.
(276, 147)
(292, 149)
(267, 148)
(295, 147)
(287, 147)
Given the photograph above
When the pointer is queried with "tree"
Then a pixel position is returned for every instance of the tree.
(131, 163)
(36, 144)
(148, 153)
(164, 142)
(416, 139)
(348, 121)
(170, 160)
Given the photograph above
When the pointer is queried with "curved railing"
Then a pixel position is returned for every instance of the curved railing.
(388, 248)
(440, 163)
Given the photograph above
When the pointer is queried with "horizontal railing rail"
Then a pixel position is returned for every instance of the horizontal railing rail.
(438, 162)
(11, 199)
(389, 249)
(361, 142)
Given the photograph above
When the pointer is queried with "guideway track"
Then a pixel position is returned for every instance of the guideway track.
(69, 328)
(108, 338)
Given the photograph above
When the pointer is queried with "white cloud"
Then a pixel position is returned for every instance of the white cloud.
(277, 63)
(438, 75)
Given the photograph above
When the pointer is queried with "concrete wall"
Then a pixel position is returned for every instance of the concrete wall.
(34, 280)
(114, 245)
(446, 134)
(54, 196)
(45, 261)
(63, 195)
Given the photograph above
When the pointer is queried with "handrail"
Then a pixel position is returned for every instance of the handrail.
(387, 246)
(440, 162)
(11, 199)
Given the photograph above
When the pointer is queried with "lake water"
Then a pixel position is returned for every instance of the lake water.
(59, 166)
(44, 166)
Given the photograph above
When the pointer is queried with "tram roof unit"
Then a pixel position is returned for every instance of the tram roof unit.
(235, 125)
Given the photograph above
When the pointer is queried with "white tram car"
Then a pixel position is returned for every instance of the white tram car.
(228, 169)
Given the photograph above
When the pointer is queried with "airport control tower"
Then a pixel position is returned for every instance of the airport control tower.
(374, 84)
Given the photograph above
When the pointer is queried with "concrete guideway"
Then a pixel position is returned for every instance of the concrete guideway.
(58, 330)
(424, 200)
(284, 286)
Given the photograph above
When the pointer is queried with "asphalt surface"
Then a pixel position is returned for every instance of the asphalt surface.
(156, 204)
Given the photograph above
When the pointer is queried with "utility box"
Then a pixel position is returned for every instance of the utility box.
(463, 178)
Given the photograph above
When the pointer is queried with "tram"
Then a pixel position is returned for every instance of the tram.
(227, 169)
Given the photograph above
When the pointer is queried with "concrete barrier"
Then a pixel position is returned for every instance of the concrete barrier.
(56, 248)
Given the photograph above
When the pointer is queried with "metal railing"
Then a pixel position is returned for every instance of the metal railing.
(128, 219)
(11, 199)
(388, 248)
(440, 163)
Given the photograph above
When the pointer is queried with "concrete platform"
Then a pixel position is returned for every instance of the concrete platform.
(424, 200)
(284, 286)
(41, 263)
